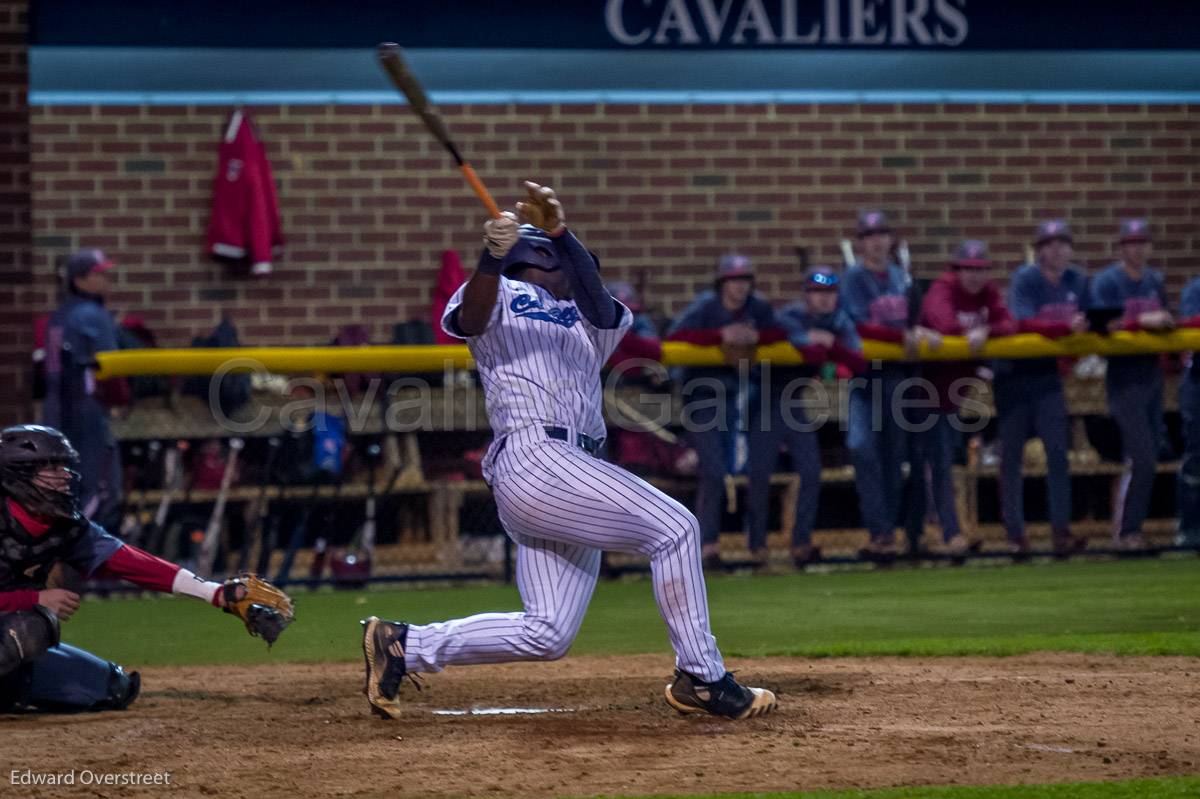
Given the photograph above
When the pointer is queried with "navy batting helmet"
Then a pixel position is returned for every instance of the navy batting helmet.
(27, 449)
(533, 248)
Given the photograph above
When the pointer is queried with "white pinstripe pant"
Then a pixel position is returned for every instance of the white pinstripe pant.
(562, 507)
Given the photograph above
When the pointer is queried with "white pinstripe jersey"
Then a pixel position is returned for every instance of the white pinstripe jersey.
(539, 360)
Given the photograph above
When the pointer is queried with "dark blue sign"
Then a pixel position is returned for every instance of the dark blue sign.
(625, 24)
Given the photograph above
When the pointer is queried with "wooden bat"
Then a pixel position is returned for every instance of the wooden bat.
(848, 253)
(212, 534)
(152, 534)
(392, 60)
(254, 536)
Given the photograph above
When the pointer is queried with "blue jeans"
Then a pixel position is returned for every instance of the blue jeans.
(1188, 490)
(1025, 405)
(940, 444)
(1136, 407)
(801, 443)
(878, 446)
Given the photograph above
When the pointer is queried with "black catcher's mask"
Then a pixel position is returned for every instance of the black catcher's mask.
(24, 451)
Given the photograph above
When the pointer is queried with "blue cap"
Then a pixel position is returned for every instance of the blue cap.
(821, 278)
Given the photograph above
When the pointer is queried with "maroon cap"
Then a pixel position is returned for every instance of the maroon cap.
(85, 262)
(873, 222)
(734, 265)
(972, 254)
(1052, 229)
(1134, 230)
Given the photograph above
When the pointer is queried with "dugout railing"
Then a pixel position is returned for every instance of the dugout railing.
(436, 526)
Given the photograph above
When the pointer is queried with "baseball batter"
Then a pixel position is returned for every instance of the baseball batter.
(540, 324)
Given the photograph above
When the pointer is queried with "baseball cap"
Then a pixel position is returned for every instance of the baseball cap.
(85, 262)
(1134, 230)
(734, 265)
(625, 294)
(1052, 229)
(873, 222)
(972, 254)
(821, 278)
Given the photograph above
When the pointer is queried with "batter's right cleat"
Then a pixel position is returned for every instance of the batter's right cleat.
(383, 651)
(725, 697)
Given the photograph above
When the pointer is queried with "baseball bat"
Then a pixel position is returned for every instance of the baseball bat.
(848, 253)
(912, 290)
(401, 74)
(152, 534)
(212, 534)
(254, 535)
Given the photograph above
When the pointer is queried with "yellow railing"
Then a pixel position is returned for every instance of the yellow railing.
(433, 358)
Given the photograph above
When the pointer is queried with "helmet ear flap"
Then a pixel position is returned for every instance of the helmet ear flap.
(534, 249)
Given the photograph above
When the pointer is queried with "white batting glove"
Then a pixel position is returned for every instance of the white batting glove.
(542, 209)
(499, 235)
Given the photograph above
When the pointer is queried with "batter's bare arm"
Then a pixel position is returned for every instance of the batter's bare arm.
(479, 297)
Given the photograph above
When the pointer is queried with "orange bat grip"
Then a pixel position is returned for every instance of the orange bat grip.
(480, 190)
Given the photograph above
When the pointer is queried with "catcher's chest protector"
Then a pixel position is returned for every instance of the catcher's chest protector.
(25, 561)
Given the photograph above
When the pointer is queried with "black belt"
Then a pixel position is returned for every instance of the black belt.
(586, 443)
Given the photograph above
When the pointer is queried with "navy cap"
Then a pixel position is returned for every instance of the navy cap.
(972, 254)
(1134, 230)
(85, 262)
(1052, 229)
(873, 221)
(734, 265)
(821, 278)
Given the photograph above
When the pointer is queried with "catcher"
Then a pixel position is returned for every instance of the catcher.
(40, 524)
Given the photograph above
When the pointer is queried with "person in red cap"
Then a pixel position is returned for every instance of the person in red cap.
(964, 301)
(80, 329)
(1134, 383)
(719, 407)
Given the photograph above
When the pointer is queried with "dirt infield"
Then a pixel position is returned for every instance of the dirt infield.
(842, 723)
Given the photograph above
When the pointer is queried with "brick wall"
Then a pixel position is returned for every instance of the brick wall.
(15, 242)
(369, 201)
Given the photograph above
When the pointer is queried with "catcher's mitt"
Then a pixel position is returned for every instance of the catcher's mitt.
(265, 609)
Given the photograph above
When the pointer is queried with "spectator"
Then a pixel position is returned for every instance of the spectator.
(875, 295)
(722, 406)
(1134, 383)
(964, 301)
(80, 329)
(823, 333)
(1047, 297)
(1189, 408)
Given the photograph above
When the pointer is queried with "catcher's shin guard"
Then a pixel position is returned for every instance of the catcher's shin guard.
(383, 651)
(26, 635)
(725, 697)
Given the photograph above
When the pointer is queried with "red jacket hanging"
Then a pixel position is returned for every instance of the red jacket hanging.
(245, 217)
(450, 277)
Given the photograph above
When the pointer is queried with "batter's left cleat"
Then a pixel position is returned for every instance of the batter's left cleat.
(383, 651)
(725, 697)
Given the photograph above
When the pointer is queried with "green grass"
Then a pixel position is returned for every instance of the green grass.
(1174, 788)
(1128, 607)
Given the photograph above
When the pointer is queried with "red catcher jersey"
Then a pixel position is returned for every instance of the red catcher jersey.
(245, 215)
